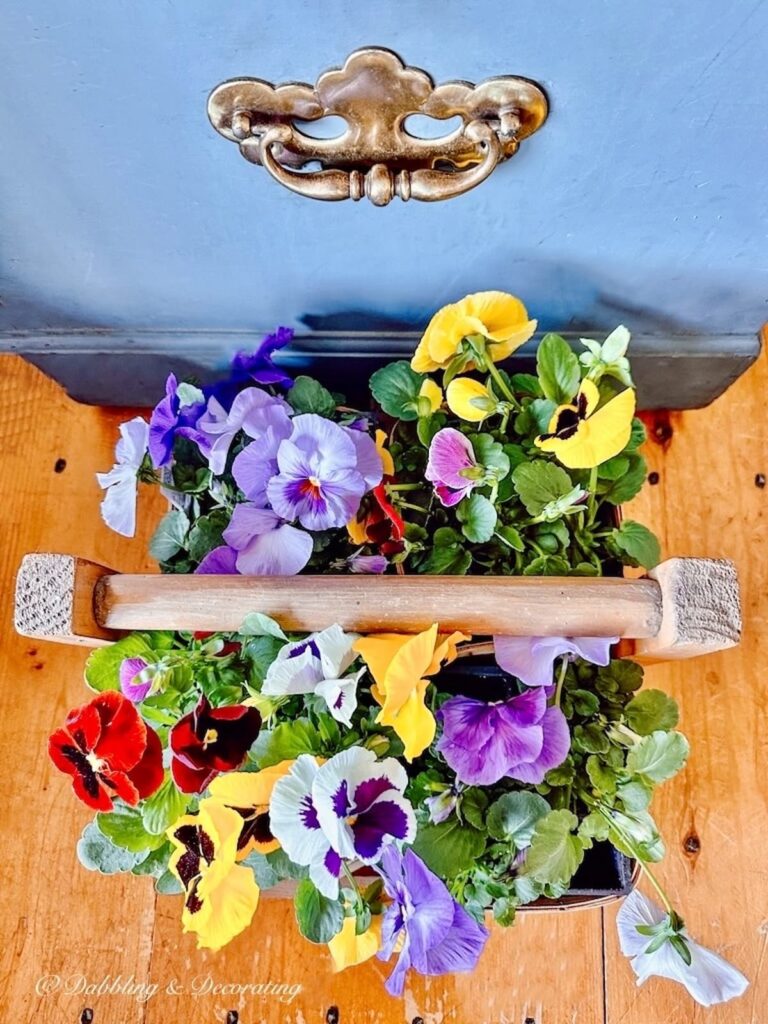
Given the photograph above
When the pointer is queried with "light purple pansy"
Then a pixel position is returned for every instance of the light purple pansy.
(118, 508)
(253, 411)
(531, 659)
(170, 420)
(319, 482)
(265, 544)
(350, 807)
(256, 464)
(520, 738)
(435, 933)
(372, 565)
(450, 456)
(221, 561)
(135, 679)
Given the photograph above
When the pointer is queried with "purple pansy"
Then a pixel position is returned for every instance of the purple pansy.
(256, 464)
(135, 679)
(253, 411)
(350, 807)
(324, 474)
(258, 365)
(265, 544)
(170, 420)
(531, 659)
(451, 456)
(221, 561)
(520, 738)
(372, 565)
(438, 935)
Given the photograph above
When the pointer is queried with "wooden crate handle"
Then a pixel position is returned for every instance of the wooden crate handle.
(687, 606)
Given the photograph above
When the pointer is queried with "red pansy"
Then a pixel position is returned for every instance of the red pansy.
(109, 751)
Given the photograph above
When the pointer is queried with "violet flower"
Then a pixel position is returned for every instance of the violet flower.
(265, 544)
(118, 508)
(221, 561)
(169, 420)
(438, 935)
(323, 474)
(256, 464)
(258, 365)
(520, 738)
(371, 565)
(451, 458)
(136, 677)
(531, 659)
(253, 411)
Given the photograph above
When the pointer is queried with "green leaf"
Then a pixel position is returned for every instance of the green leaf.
(504, 911)
(638, 543)
(635, 795)
(491, 454)
(541, 410)
(450, 847)
(447, 560)
(206, 534)
(168, 884)
(264, 873)
(539, 482)
(125, 828)
(256, 624)
(319, 918)
(309, 395)
(188, 394)
(478, 518)
(555, 853)
(473, 805)
(638, 435)
(558, 369)
(590, 738)
(281, 863)
(513, 817)
(659, 756)
(260, 652)
(285, 742)
(651, 710)
(510, 536)
(396, 388)
(625, 675)
(526, 384)
(155, 863)
(594, 826)
(163, 808)
(630, 484)
(102, 669)
(97, 853)
(602, 777)
(170, 535)
(641, 829)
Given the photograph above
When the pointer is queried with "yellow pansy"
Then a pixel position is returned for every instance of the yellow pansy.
(433, 393)
(500, 318)
(399, 665)
(221, 896)
(387, 462)
(249, 794)
(582, 436)
(469, 399)
(349, 949)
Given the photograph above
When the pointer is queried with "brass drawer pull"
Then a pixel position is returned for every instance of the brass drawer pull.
(374, 93)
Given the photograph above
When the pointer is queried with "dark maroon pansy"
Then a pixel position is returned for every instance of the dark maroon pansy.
(211, 740)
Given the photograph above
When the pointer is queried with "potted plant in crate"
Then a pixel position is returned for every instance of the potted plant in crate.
(410, 787)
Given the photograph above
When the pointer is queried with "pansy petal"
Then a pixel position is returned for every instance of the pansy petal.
(554, 750)
(459, 950)
(406, 669)
(221, 561)
(378, 651)
(530, 659)
(231, 896)
(348, 949)
(281, 552)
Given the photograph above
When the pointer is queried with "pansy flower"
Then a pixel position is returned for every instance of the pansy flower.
(655, 945)
(171, 419)
(318, 665)
(254, 411)
(249, 794)
(118, 509)
(109, 751)
(211, 740)
(520, 738)
(400, 666)
(500, 319)
(264, 544)
(531, 659)
(432, 933)
(324, 473)
(259, 365)
(256, 464)
(136, 678)
(367, 565)
(348, 949)
(350, 807)
(452, 466)
(220, 896)
(582, 436)
(470, 400)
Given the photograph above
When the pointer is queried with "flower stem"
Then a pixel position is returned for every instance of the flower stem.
(561, 680)
(630, 844)
(500, 383)
(353, 883)
(592, 487)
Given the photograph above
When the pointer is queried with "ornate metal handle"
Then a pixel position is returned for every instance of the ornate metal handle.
(377, 156)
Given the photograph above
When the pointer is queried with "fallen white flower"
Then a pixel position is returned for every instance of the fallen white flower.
(118, 509)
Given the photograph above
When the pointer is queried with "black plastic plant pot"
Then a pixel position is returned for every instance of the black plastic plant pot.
(605, 874)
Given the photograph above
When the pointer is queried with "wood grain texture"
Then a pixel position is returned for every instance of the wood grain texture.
(58, 919)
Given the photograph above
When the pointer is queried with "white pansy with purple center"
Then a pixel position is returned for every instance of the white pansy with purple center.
(360, 804)
(351, 807)
(317, 665)
(118, 509)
